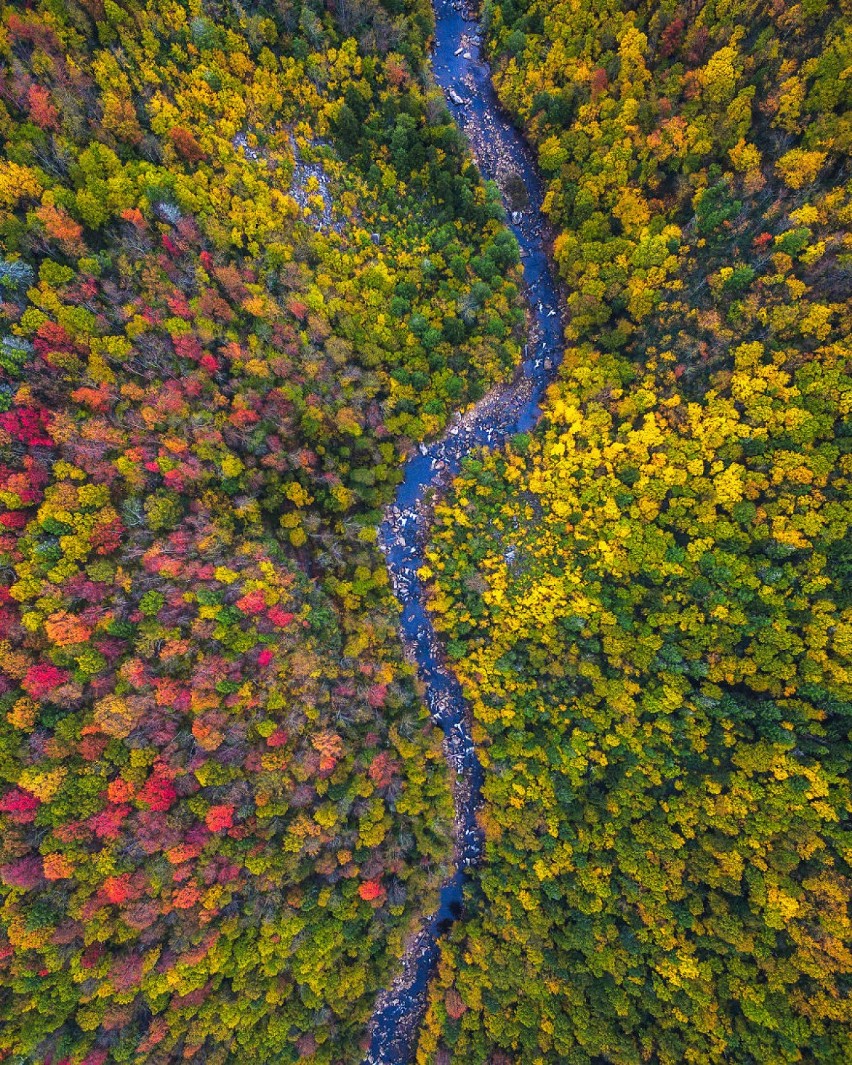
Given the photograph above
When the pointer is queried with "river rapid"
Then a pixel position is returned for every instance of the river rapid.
(502, 155)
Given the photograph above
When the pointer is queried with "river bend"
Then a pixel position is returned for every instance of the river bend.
(502, 155)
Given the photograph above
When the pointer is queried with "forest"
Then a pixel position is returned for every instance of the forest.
(648, 598)
(222, 803)
(248, 266)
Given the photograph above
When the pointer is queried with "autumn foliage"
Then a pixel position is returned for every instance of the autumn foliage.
(246, 265)
(647, 599)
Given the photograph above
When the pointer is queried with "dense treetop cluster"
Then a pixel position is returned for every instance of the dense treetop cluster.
(246, 264)
(648, 599)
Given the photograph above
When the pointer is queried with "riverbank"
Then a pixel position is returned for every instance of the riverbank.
(503, 156)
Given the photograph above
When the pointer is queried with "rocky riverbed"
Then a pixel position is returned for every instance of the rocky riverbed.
(504, 157)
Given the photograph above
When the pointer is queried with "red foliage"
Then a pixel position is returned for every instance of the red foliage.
(219, 818)
(107, 824)
(92, 747)
(106, 537)
(178, 305)
(26, 484)
(278, 738)
(600, 81)
(92, 955)
(42, 111)
(43, 678)
(279, 617)
(672, 37)
(36, 32)
(50, 336)
(27, 425)
(158, 792)
(243, 417)
(20, 805)
(252, 602)
(117, 888)
(126, 973)
(24, 873)
(377, 694)
(186, 145)
(370, 890)
(13, 519)
(186, 897)
(382, 769)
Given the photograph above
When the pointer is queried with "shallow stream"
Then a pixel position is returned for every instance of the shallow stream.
(502, 155)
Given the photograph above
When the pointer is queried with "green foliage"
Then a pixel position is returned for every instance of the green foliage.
(222, 807)
(647, 601)
(655, 637)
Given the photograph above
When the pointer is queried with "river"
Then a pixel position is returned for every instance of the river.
(503, 156)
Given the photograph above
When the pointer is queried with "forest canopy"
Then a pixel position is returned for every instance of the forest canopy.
(648, 599)
(246, 264)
